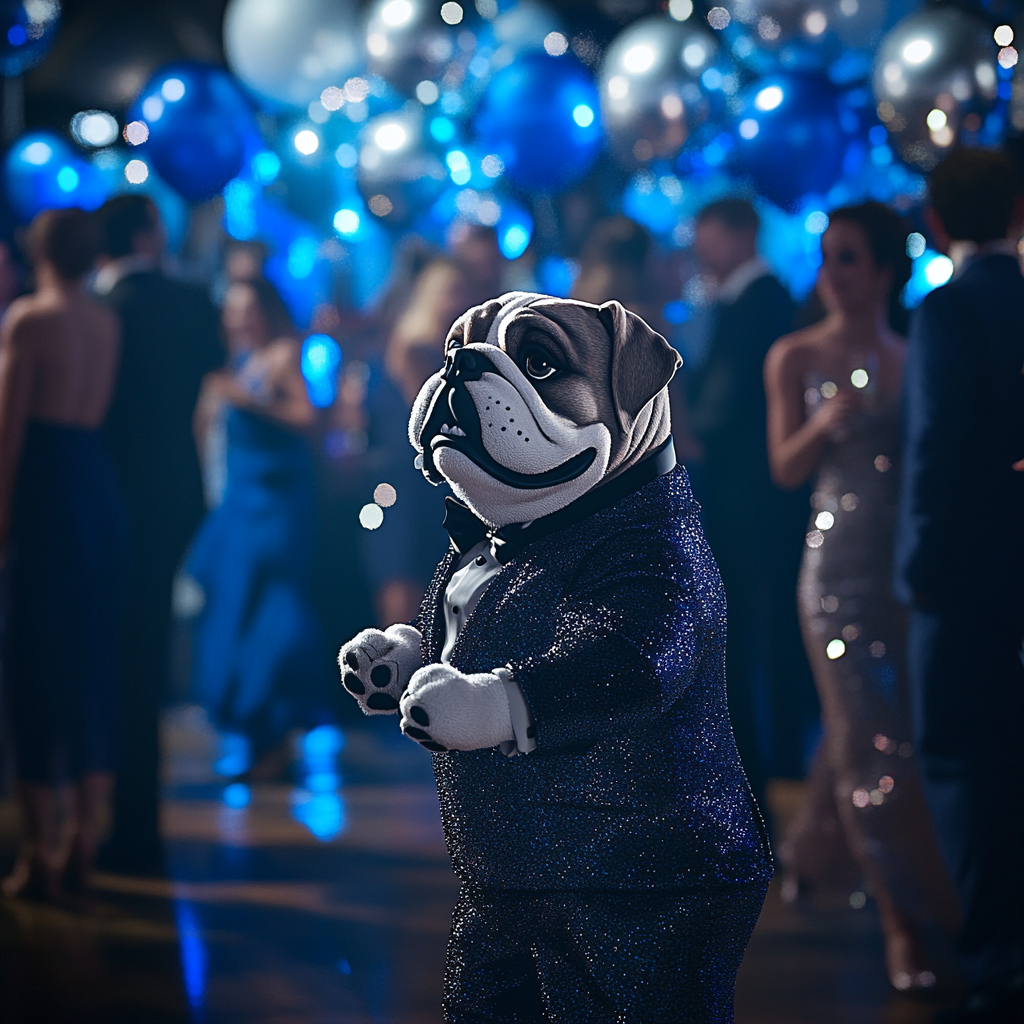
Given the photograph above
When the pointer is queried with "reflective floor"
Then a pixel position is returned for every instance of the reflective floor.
(327, 902)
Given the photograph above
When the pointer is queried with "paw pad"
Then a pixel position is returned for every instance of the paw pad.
(419, 715)
(352, 661)
(380, 676)
(381, 702)
(352, 682)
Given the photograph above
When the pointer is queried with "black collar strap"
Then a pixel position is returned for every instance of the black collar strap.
(466, 531)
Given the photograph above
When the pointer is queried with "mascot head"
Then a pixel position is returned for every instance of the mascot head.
(540, 401)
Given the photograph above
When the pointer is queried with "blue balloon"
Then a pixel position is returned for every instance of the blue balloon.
(26, 31)
(789, 138)
(201, 127)
(42, 172)
(540, 117)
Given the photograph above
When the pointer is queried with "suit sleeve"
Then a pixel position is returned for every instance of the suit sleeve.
(937, 428)
(623, 648)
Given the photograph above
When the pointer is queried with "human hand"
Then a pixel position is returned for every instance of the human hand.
(376, 666)
(834, 413)
(444, 709)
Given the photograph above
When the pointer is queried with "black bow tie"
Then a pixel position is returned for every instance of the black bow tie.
(466, 530)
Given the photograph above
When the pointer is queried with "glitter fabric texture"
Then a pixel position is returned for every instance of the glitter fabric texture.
(865, 778)
(622, 864)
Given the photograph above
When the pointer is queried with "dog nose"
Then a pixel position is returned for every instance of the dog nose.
(462, 365)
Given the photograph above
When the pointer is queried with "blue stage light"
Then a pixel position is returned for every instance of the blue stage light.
(321, 363)
(266, 165)
(442, 130)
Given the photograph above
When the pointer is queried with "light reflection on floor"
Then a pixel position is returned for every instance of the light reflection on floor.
(328, 901)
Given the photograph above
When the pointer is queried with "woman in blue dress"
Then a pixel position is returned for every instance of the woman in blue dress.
(259, 657)
(64, 536)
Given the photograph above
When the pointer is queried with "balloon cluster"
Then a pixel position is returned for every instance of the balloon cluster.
(352, 121)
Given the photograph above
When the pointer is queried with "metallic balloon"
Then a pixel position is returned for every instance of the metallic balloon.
(42, 172)
(935, 80)
(28, 28)
(412, 41)
(539, 117)
(651, 94)
(200, 124)
(789, 136)
(289, 51)
(401, 172)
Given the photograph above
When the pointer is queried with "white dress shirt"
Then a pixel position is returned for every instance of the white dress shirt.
(477, 568)
(741, 279)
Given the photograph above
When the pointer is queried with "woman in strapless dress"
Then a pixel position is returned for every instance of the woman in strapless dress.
(63, 531)
(833, 402)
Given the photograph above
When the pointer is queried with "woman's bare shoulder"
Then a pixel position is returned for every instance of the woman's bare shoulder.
(29, 317)
(790, 353)
(99, 313)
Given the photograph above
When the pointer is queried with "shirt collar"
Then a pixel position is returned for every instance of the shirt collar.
(110, 275)
(964, 253)
(742, 278)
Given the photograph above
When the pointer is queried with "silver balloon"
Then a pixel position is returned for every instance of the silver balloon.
(400, 173)
(935, 83)
(651, 95)
(773, 23)
(412, 41)
(289, 51)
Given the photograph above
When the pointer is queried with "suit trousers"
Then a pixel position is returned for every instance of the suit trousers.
(594, 957)
(967, 691)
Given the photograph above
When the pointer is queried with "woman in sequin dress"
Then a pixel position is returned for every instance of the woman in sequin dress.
(833, 400)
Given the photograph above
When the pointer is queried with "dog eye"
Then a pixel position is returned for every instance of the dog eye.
(539, 367)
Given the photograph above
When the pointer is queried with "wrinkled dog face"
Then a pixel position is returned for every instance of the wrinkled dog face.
(529, 412)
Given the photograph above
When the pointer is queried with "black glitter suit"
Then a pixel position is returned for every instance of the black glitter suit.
(615, 873)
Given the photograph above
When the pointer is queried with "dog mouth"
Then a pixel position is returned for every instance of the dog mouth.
(453, 422)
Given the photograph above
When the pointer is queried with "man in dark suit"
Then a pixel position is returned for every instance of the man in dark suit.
(960, 565)
(170, 341)
(755, 530)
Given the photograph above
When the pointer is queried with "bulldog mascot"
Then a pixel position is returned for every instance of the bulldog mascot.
(567, 670)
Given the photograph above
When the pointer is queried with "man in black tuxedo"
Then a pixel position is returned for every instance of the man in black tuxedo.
(755, 530)
(960, 565)
(170, 342)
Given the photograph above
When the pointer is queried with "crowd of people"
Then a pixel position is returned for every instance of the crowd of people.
(146, 436)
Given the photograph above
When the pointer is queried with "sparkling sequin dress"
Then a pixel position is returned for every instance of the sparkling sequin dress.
(617, 871)
(865, 816)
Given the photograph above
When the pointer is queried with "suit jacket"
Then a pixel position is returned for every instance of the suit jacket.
(728, 413)
(170, 342)
(614, 627)
(960, 536)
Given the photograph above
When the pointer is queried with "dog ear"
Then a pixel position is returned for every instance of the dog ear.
(475, 323)
(643, 362)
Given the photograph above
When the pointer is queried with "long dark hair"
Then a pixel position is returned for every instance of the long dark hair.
(886, 234)
(279, 320)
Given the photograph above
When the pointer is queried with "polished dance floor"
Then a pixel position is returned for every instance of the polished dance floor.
(328, 902)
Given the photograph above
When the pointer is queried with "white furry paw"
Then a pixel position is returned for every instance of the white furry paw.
(376, 667)
(443, 709)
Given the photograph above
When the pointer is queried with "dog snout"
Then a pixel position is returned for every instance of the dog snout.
(462, 365)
